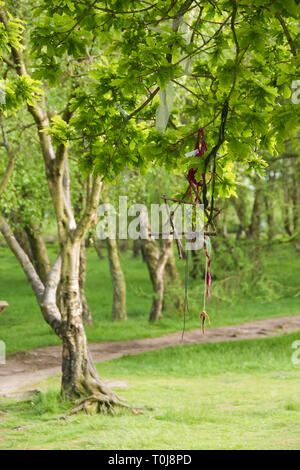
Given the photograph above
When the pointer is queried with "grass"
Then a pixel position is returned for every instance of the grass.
(22, 326)
(239, 395)
(200, 360)
(236, 395)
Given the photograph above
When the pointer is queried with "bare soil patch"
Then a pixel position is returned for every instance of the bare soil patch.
(25, 368)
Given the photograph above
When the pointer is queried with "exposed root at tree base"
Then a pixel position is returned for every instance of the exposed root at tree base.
(99, 403)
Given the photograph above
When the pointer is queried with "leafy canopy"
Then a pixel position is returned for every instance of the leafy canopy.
(117, 56)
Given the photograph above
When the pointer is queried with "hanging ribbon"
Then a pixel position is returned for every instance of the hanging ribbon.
(186, 302)
(206, 247)
(203, 148)
(207, 280)
(198, 152)
(166, 98)
(191, 177)
(193, 182)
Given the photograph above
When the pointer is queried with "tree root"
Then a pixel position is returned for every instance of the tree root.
(99, 403)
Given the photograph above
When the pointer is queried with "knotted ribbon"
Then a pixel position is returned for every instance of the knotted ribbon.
(203, 148)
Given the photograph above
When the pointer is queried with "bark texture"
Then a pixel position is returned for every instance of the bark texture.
(86, 311)
(296, 192)
(118, 281)
(287, 200)
(270, 216)
(39, 251)
(98, 249)
(254, 229)
(156, 261)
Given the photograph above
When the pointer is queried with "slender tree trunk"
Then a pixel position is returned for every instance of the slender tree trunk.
(270, 216)
(254, 229)
(286, 198)
(156, 262)
(31, 241)
(171, 271)
(159, 285)
(79, 376)
(98, 249)
(136, 248)
(173, 279)
(23, 241)
(296, 192)
(39, 252)
(196, 264)
(123, 246)
(86, 311)
(77, 368)
(118, 281)
(241, 212)
(151, 254)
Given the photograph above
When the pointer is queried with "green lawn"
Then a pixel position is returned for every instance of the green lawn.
(241, 395)
(22, 326)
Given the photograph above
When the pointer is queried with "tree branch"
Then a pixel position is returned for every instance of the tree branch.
(46, 297)
(148, 100)
(90, 209)
(54, 161)
(287, 34)
(237, 48)
(12, 159)
(49, 299)
(205, 43)
(23, 259)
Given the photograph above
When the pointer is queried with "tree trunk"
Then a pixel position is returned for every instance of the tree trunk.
(171, 271)
(173, 278)
(86, 311)
(39, 252)
(23, 241)
(296, 192)
(75, 362)
(118, 281)
(270, 217)
(286, 198)
(156, 262)
(239, 205)
(196, 264)
(254, 229)
(98, 249)
(136, 247)
(79, 376)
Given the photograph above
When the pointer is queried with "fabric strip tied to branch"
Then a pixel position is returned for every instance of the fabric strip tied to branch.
(164, 109)
(191, 176)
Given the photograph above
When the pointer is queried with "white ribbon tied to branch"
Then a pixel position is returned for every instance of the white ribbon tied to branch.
(166, 98)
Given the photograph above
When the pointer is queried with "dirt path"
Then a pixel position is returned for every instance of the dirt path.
(24, 369)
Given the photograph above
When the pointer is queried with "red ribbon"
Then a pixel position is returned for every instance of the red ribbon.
(203, 148)
(191, 176)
